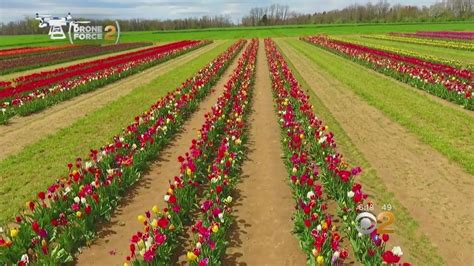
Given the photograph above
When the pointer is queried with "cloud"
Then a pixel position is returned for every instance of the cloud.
(164, 9)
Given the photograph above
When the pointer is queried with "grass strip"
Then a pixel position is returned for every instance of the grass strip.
(445, 129)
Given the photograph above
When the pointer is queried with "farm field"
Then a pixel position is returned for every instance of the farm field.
(242, 146)
(252, 32)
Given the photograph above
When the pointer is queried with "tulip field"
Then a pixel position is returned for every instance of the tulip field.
(25, 60)
(239, 151)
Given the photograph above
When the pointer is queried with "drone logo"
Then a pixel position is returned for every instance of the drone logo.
(78, 30)
(55, 25)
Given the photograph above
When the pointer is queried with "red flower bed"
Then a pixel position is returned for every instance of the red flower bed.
(157, 243)
(47, 78)
(34, 92)
(61, 55)
(316, 168)
(445, 81)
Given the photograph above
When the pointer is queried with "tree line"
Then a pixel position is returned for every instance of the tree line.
(30, 25)
(380, 12)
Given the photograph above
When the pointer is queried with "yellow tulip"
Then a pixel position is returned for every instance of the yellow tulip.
(188, 171)
(155, 209)
(191, 256)
(14, 232)
(170, 191)
(141, 244)
(141, 218)
(324, 225)
(171, 227)
(215, 228)
(154, 223)
(125, 264)
(320, 260)
(79, 214)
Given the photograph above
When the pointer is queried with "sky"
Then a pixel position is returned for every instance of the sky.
(12, 10)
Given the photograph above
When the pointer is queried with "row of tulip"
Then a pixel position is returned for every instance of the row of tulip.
(157, 243)
(65, 216)
(425, 57)
(57, 56)
(211, 229)
(27, 50)
(314, 226)
(449, 35)
(315, 165)
(35, 92)
(456, 85)
(430, 42)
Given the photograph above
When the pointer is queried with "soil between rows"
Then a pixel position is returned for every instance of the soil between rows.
(437, 193)
(111, 247)
(22, 131)
(263, 202)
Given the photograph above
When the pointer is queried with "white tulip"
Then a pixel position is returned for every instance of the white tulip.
(323, 139)
(397, 251)
(25, 258)
(77, 199)
(350, 194)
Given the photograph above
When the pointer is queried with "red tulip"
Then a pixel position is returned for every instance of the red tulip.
(163, 222)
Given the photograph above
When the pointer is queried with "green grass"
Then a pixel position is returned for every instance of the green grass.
(40, 164)
(420, 248)
(465, 57)
(251, 32)
(444, 128)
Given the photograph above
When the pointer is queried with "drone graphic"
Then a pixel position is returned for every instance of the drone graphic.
(56, 24)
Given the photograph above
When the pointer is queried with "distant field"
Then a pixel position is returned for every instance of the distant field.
(441, 52)
(252, 32)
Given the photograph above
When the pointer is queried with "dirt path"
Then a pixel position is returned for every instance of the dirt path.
(437, 193)
(22, 131)
(14, 75)
(149, 191)
(264, 204)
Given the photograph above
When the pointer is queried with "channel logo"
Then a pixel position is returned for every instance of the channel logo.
(78, 30)
(366, 222)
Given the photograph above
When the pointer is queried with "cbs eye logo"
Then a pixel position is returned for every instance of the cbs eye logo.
(366, 222)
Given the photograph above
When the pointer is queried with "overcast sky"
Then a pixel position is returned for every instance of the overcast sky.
(162, 9)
